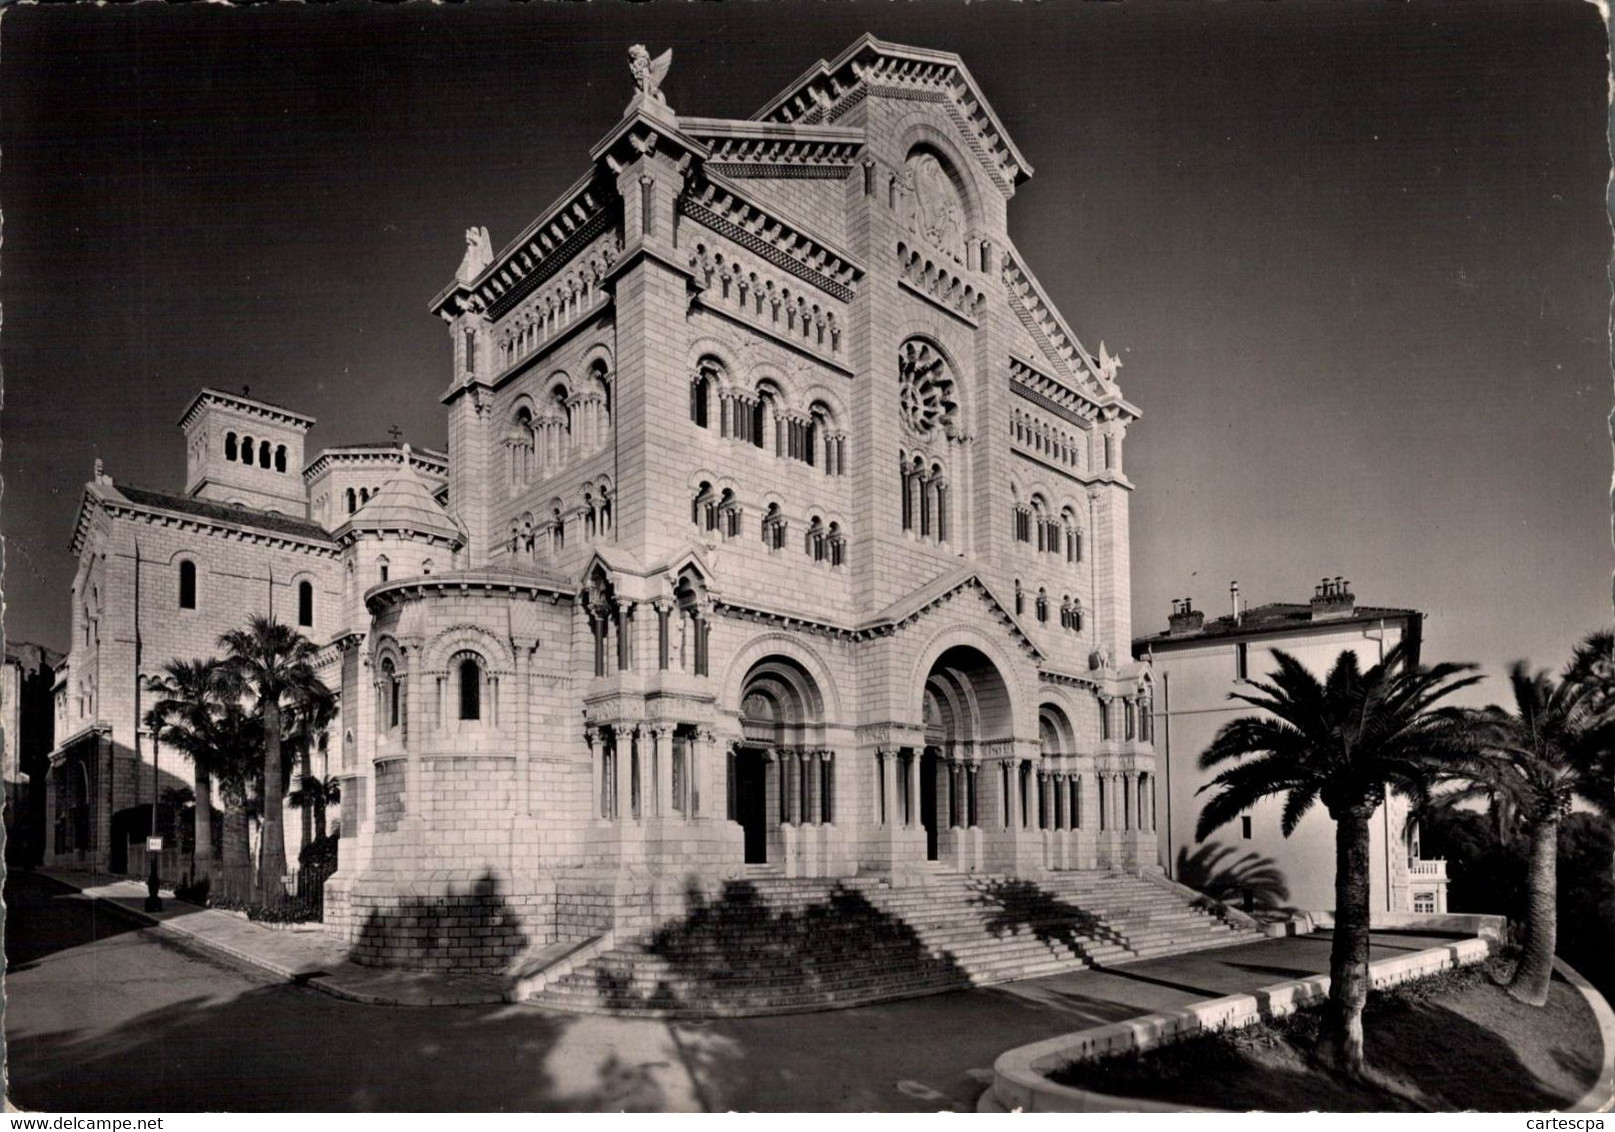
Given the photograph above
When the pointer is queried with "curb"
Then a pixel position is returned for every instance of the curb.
(301, 975)
(1601, 1097)
(1019, 1082)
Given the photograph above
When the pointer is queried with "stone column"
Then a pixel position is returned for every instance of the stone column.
(914, 787)
(625, 611)
(661, 773)
(619, 776)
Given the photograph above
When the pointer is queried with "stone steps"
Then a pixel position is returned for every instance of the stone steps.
(777, 945)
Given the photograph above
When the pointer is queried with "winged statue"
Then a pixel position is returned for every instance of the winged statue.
(1108, 365)
(648, 73)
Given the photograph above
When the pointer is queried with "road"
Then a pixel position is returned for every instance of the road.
(102, 1016)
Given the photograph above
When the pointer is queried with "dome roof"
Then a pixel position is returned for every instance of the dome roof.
(404, 505)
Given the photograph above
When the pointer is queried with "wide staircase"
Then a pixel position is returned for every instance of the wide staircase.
(769, 945)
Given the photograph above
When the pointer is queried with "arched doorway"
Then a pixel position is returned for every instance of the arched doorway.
(775, 777)
(966, 704)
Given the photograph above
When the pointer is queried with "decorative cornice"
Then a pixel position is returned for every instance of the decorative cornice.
(870, 66)
(1077, 406)
(547, 244)
(1079, 369)
(765, 171)
(728, 212)
(260, 409)
(874, 628)
(124, 509)
(772, 149)
(934, 282)
(490, 583)
(432, 462)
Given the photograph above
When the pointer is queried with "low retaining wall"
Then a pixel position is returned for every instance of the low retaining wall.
(1492, 928)
(1020, 1076)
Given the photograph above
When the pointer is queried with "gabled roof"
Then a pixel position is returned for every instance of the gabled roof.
(812, 97)
(405, 504)
(939, 590)
(214, 511)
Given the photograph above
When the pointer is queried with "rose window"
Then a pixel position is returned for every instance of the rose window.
(925, 389)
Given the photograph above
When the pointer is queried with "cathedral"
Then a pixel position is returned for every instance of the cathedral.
(782, 532)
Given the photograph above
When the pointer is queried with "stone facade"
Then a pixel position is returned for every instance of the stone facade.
(783, 529)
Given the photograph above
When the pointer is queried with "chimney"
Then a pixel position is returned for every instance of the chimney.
(1332, 599)
(1185, 620)
(1233, 598)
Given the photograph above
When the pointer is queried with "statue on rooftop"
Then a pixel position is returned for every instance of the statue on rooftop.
(648, 73)
(1108, 365)
(478, 253)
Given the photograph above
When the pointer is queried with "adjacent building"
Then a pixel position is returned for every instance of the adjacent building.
(26, 722)
(1197, 663)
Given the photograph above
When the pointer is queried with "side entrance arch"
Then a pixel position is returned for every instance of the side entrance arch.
(779, 773)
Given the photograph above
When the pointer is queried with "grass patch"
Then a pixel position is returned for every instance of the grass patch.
(1450, 1042)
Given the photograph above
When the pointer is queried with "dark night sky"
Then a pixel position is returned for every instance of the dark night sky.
(1355, 255)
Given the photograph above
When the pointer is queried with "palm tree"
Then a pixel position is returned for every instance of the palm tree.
(190, 701)
(316, 793)
(1537, 759)
(1341, 742)
(1592, 666)
(276, 664)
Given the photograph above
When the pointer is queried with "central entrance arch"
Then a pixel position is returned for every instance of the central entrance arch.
(966, 704)
(770, 780)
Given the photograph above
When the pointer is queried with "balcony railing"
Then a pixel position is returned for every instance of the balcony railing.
(1430, 870)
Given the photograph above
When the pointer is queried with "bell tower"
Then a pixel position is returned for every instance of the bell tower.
(238, 450)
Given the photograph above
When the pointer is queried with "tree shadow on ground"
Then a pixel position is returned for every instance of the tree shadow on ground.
(286, 1048)
(1020, 905)
(471, 930)
(1252, 883)
(738, 952)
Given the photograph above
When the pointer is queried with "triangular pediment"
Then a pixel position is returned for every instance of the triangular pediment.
(944, 591)
(872, 65)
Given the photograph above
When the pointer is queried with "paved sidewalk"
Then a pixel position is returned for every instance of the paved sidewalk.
(307, 955)
(920, 1054)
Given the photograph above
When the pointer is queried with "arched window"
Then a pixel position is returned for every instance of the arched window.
(187, 585)
(469, 673)
(838, 545)
(246, 449)
(774, 528)
(700, 397)
(520, 446)
(305, 604)
(280, 458)
(814, 539)
(1042, 606)
(729, 514)
(381, 567)
(389, 692)
(353, 501)
(230, 446)
(263, 454)
(704, 508)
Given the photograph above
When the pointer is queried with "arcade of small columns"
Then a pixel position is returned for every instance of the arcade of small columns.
(683, 634)
(648, 771)
(1125, 798)
(645, 771)
(581, 424)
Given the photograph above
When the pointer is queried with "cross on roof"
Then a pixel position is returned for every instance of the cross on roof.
(396, 433)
